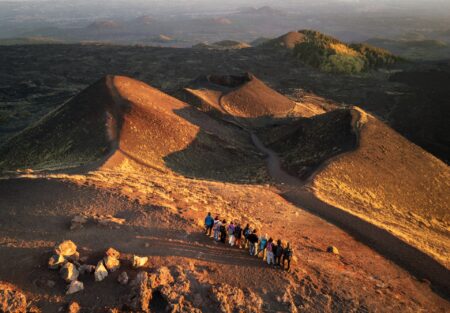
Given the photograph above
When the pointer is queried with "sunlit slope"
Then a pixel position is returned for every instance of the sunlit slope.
(394, 184)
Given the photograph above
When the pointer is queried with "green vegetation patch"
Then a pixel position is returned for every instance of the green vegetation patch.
(331, 55)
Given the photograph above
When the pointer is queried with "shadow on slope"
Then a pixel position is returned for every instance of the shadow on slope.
(123, 124)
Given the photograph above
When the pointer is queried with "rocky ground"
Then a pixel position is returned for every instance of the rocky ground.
(161, 221)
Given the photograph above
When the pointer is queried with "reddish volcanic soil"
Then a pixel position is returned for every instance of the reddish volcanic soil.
(160, 164)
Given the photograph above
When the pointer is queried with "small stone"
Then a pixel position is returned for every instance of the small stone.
(139, 261)
(66, 248)
(51, 283)
(69, 272)
(333, 249)
(113, 253)
(73, 307)
(147, 245)
(56, 261)
(111, 263)
(123, 278)
(86, 269)
(75, 287)
(100, 272)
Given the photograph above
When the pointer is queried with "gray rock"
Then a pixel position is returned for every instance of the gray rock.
(100, 272)
(74, 287)
(66, 248)
(69, 272)
(56, 261)
(123, 278)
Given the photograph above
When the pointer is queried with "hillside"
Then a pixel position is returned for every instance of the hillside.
(243, 98)
(383, 178)
(286, 41)
(120, 122)
(330, 54)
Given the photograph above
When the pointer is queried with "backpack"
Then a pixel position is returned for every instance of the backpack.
(237, 232)
(222, 229)
(269, 247)
(246, 232)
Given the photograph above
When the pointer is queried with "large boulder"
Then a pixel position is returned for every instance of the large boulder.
(100, 272)
(12, 300)
(66, 248)
(69, 272)
(74, 287)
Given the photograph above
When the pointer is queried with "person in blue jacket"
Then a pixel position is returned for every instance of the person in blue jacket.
(209, 223)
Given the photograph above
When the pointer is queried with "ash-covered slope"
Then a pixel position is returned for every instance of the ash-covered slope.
(382, 178)
(245, 98)
(120, 122)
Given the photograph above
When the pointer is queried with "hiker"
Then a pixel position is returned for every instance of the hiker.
(223, 231)
(246, 232)
(262, 246)
(209, 223)
(287, 255)
(217, 224)
(269, 249)
(278, 253)
(230, 230)
(253, 241)
(238, 235)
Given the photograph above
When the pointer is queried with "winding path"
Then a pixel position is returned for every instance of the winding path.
(395, 249)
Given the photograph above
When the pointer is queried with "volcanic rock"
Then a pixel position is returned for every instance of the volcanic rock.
(66, 248)
(56, 261)
(74, 287)
(140, 295)
(333, 249)
(123, 278)
(100, 272)
(69, 272)
(113, 253)
(11, 299)
(111, 263)
(73, 307)
(232, 299)
(139, 261)
(161, 277)
(86, 269)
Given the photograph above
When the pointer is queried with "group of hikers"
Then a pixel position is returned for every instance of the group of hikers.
(275, 253)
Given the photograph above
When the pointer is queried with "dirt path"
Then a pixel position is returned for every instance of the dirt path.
(412, 259)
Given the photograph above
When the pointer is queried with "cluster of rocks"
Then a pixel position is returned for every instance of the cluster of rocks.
(79, 221)
(179, 291)
(67, 260)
